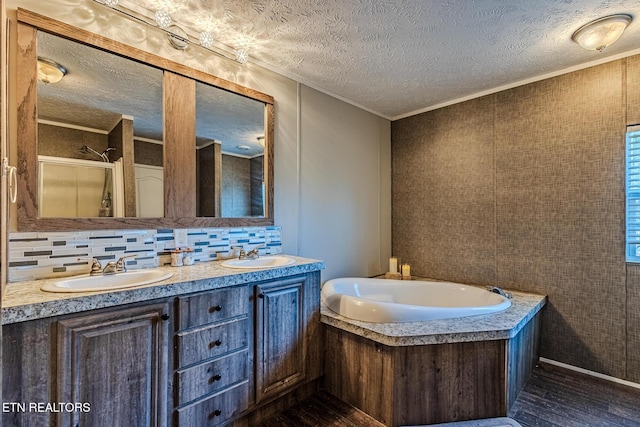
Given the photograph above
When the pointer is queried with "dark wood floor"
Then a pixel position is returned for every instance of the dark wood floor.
(556, 397)
(322, 410)
(553, 397)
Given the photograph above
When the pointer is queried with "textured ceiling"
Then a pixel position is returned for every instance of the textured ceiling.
(395, 57)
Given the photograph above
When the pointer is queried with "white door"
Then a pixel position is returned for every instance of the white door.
(149, 191)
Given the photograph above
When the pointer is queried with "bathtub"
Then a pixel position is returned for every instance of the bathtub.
(395, 301)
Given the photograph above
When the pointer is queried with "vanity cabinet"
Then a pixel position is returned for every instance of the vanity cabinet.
(280, 336)
(227, 356)
(212, 357)
(240, 349)
(117, 362)
(112, 362)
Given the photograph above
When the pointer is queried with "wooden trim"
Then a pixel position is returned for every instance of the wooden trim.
(217, 180)
(179, 132)
(4, 153)
(26, 95)
(269, 121)
(176, 216)
(74, 33)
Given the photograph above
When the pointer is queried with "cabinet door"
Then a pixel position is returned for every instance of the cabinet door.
(116, 362)
(280, 337)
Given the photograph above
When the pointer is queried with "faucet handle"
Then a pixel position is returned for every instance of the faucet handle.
(120, 265)
(254, 252)
(96, 267)
(242, 253)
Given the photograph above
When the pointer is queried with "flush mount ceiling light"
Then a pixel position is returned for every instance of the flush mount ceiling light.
(50, 71)
(602, 32)
(179, 35)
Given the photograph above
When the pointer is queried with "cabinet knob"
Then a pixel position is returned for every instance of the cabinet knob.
(215, 343)
(215, 413)
(261, 295)
(215, 378)
(165, 316)
(216, 308)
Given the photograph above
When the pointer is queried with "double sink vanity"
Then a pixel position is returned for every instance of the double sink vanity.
(209, 345)
(214, 343)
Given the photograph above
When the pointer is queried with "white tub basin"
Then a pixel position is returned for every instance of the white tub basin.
(86, 283)
(390, 301)
(262, 262)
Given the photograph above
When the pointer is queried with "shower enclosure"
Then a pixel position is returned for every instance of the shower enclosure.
(73, 188)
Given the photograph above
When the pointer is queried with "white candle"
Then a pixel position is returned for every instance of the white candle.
(393, 265)
(406, 270)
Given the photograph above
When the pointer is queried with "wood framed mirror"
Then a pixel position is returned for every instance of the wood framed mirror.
(149, 158)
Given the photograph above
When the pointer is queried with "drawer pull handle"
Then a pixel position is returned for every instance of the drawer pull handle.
(216, 308)
(215, 343)
(215, 378)
(215, 413)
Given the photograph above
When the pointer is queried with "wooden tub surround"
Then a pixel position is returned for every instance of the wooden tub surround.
(433, 371)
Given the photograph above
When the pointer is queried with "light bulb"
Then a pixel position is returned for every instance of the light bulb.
(242, 56)
(206, 39)
(111, 3)
(163, 19)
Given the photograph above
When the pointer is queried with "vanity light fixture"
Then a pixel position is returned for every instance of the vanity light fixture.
(598, 34)
(179, 36)
(206, 39)
(163, 19)
(50, 71)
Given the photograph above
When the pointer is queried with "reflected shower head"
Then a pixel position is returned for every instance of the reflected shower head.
(85, 149)
(105, 154)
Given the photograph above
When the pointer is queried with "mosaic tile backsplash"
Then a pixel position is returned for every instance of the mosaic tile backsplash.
(51, 254)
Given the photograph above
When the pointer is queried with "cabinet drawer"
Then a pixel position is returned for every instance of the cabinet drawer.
(217, 409)
(206, 343)
(214, 306)
(210, 377)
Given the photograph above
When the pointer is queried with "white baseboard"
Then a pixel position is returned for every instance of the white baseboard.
(593, 374)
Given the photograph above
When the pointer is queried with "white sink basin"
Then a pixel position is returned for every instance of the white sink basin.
(262, 262)
(86, 283)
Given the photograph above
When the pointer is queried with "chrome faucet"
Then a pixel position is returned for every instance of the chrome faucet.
(253, 253)
(499, 291)
(242, 254)
(112, 267)
(96, 267)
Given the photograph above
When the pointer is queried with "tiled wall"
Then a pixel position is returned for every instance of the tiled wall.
(524, 189)
(41, 255)
(633, 270)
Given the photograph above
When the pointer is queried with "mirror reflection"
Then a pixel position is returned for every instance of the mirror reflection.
(99, 133)
(230, 154)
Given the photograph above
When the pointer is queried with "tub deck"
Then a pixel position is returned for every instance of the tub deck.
(433, 371)
(486, 327)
